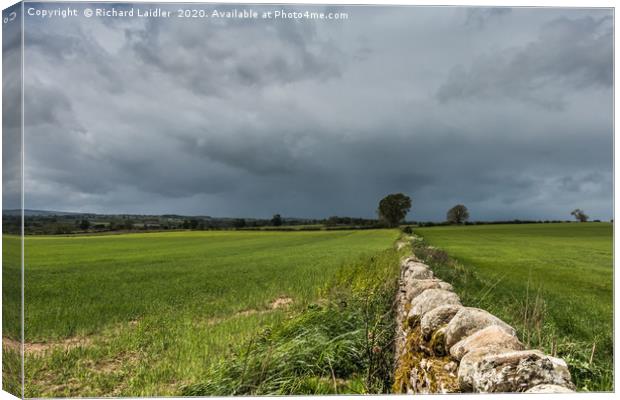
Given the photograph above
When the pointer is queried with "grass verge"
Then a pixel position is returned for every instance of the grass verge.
(343, 344)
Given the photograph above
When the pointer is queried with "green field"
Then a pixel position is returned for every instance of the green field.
(249, 312)
(143, 314)
(552, 282)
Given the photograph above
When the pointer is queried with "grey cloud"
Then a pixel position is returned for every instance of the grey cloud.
(48, 106)
(236, 53)
(583, 181)
(480, 17)
(568, 54)
(77, 45)
(316, 119)
(251, 153)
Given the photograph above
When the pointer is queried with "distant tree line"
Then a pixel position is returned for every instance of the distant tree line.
(499, 222)
(349, 221)
(97, 223)
(391, 212)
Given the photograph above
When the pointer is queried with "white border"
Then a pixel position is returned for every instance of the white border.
(497, 3)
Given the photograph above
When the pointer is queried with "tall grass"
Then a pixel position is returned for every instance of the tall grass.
(340, 345)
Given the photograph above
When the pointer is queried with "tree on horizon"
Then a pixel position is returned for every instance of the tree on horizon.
(457, 214)
(393, 208)
(579, 215)
(276, 220)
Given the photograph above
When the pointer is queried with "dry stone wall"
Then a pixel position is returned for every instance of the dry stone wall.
(442, 346)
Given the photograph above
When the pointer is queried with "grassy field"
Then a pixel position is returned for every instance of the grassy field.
(11, 313)
(552, 282)
(246, 312)
(144, 314)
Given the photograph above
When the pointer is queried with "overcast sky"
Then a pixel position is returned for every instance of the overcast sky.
(508, 111)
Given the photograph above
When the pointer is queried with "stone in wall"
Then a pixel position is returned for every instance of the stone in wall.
(437, 317)
(416, 272)
(545, 388)
(518, 371)
(415, 288)
(470, 320)
(491, 337)
(430, 299)
(468, 366)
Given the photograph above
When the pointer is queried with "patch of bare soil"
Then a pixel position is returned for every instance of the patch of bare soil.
(281, 302)
(11, 344)
(65, 344)
(42, 347)
(245, 313)
(118, 362)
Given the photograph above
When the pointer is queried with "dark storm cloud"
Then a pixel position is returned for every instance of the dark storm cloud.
(249, 153)
(508, 111)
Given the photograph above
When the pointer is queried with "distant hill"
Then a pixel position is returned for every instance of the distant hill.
(50, 213)
(41, 213)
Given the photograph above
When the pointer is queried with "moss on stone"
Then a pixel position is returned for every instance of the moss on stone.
(420, 358)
